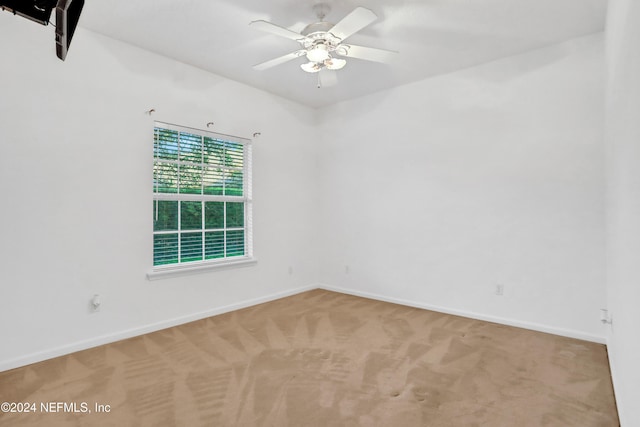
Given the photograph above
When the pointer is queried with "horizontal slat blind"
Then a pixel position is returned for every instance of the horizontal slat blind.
(202, 196)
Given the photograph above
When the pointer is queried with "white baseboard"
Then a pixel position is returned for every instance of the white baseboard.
(121, 335)
(478, 316)
(28, 359)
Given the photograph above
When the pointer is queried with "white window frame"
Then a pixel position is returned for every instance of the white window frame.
(180, 268)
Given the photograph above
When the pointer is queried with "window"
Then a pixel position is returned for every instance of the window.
(201, 198)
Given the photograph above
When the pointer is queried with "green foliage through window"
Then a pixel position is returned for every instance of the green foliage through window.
(200, 196)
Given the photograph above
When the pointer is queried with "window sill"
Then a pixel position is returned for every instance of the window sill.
(183, 270)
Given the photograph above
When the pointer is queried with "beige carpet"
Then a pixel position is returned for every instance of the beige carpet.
(323, 359)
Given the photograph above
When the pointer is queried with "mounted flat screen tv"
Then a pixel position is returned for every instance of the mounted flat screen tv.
(35, 10)
(67, 17)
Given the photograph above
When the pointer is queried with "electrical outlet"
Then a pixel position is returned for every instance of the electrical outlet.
(499, 290)
(605, 317)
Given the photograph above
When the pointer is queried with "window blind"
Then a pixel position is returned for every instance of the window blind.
(201, 196)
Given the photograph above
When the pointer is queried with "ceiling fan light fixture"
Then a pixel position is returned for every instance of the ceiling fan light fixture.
(311, 67)
(335, 63)
(318, 53)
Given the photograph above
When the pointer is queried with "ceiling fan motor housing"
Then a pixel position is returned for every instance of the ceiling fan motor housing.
(318, 33)
(317, 27)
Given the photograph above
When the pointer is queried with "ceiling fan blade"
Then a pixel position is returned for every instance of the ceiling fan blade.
(359, 18)
(268, 27)
(369, 53)
(327, 78)
(280, 60)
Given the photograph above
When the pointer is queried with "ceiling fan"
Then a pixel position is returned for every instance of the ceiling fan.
(322, 42)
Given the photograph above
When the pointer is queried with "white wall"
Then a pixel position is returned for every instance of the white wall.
(436, 191)
(623, 203)
(431, 193)
(75, 179)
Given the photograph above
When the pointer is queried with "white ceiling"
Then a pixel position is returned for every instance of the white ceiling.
(432, 36)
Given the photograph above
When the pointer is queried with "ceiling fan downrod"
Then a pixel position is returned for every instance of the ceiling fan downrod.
(321, 10)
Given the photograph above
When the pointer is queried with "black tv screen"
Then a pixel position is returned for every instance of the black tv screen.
(67, 16)
(35, 10)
